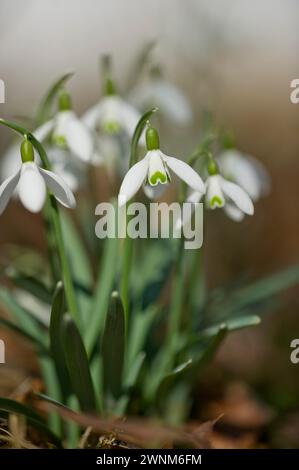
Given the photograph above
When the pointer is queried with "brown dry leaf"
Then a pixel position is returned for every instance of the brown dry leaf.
(139, 432)
(240, 408)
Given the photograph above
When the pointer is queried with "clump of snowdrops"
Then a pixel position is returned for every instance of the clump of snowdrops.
(122, 327)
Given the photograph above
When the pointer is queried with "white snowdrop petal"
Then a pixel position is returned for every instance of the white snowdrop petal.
(7, 188)
(186, 173)
(31, 188)
(194, 196)
(233, 212)
(129, 117)
(59, 188)
(79, 140)
(214, 196)
(43, 131)
(92, 116)
(238, 196)
(133, 181)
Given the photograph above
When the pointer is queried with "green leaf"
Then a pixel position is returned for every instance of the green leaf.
(79, 264)
(78, 256)
(139, 64)
(130, 380)
(32, 285)
(252, 296)
(77, 364)
(141, 324)
(169, 379)
(113, 347)
(55, 333)
(233, 324)
(26, 323)
(14, 407)
(44, 112)
(104, 287)
(35, 340)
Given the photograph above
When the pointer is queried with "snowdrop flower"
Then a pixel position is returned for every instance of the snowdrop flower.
(155, 168)
(221, 193)
(166, 96)
(31, 183)
(112, 115)
(68, 131)
(246, 171)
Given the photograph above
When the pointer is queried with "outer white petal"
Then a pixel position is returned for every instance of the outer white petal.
(233, 212)
(133, 180)
(214, 196)
(186, 173)
(62, 120)
(237, 195)
(193, 197)
(59, 188)
(31, 188)
(246, 171)
(92, 116)
(7, 188)
(43, 131)
(129, 117)
(79, 140)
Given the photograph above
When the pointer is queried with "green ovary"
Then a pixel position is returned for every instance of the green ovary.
(216, 201)
(158, 177)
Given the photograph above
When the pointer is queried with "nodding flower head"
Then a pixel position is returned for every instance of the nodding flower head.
(155, 168)
(31, 183)
(112, 115)
(67, 131)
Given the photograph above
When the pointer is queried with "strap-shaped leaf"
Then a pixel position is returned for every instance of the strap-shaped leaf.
(11, 406)
(113, 347)
(77, 364)
(104, 287)
(55, 332)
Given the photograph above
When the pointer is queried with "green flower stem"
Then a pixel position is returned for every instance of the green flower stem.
(177, 298)
(55, 221)
(54, 213)
(127, 252)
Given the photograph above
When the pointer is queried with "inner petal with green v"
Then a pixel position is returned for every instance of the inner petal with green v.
(158, 177)
(216, 201)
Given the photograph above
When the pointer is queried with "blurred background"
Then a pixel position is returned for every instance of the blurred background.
(236, 58)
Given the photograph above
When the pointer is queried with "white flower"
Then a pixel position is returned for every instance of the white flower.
(112, 115)
(154, 168)
(246, 171)
(223, 193)
(69, 132)
(166, 96)
(31, 183)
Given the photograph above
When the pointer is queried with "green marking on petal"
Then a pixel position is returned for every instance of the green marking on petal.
(216, 201)
(158, 177)
(60, 141)
(112, 127)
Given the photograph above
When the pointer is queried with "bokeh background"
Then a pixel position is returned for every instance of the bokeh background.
(234, 57)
